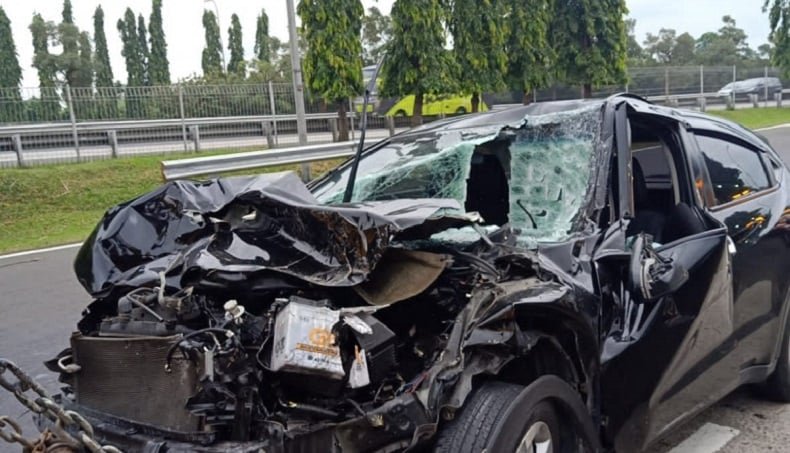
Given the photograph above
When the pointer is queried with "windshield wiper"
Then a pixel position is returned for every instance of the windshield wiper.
(363, 128)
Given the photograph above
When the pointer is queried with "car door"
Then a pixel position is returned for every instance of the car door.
(662, 358)
(743, 192)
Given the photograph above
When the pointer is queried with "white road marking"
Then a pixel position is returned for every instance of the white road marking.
(780, 126)
(45, 250)
(710, 438)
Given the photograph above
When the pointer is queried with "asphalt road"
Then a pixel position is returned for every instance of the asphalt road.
(41, 301)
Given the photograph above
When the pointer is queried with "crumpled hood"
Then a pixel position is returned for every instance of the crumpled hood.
(229, 230)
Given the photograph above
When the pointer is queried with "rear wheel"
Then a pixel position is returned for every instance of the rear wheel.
(508, 418)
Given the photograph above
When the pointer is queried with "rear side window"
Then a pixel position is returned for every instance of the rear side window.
(735, 171)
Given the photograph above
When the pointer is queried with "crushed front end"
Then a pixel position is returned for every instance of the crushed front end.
(246, 314)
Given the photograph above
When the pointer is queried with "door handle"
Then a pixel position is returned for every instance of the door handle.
(731, 246)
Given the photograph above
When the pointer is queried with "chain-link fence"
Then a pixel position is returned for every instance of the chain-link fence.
(62, 124)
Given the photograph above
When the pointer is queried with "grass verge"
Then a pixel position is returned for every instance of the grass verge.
(755, 118)
(58, 204)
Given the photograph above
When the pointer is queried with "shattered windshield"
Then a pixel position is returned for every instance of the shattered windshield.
(534, 175)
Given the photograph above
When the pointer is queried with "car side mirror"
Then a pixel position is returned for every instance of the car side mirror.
(651, 275)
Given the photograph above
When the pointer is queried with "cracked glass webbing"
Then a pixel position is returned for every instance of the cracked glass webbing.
(550, 167)
(437, 168)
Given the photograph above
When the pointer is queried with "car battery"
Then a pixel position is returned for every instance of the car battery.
(304, 342)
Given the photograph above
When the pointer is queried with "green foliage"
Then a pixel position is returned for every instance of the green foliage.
(236, 64)
(417, 62)
(727, 47)
(158, 65)
(211, 61)
(530, 53)
(68, 16)
(11, 107)
(479, 35)
(10, 71)
(376, 32)
(83, 76)
(135, 69)
(145, 54)
(104, 76)
(591, 44)
(262, 45)
(333, 63)
(779, 20)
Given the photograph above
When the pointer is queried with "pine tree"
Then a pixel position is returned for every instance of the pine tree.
(158, 65)
(590, 39)
(417, 62)
(145, 54)
(333, 63)
(262, 37)
(135, 70)
(530, 53)
(84, 74)
(68, 33)
(236, 47)
(10, 73)
(211, 61)
(104, 76)
(479, 35)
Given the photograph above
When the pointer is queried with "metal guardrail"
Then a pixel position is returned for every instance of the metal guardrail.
(199, 166)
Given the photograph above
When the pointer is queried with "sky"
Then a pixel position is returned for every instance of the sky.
(184, 32)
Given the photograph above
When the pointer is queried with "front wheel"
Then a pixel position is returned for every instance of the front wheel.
(502, 417)
(777, 387)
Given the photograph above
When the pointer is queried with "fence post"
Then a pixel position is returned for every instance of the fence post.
(755, 100)
(183, 116)
(267, 131)
(666, 82)
(702, 81)
(194, 132)
(702, 103)
(778, 98)
(73, 119)
(352, 114)
(332, 122)
(274, 113)
(112, 137)
(17, 139)
(390, 120)
(765, 86)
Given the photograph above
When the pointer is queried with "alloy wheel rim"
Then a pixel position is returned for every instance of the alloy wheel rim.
(537, 439)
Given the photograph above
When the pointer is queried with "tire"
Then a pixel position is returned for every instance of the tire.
(777, 387)
(499, 417)
(460, 111)
(400, 113)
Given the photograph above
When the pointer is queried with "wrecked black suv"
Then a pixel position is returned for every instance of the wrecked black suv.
(570, 276)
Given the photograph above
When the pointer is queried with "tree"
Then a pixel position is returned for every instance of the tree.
(376, 31)
(10, 72)
(417, 62)
(683, 52)
(590, 39)
(68, 35)
(727, 47)
(479, 36)
(635, 54)
(158, 65)
(236, 47)
(779, 22)
(145, 54)
(262, 39)
(42, 59)
(212, 52)
(333, 64)
(135, 68)
(83, 76)
(660, 47)
(530, 53)
(104, 76)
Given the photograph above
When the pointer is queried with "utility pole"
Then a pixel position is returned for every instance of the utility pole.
(296, 64)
